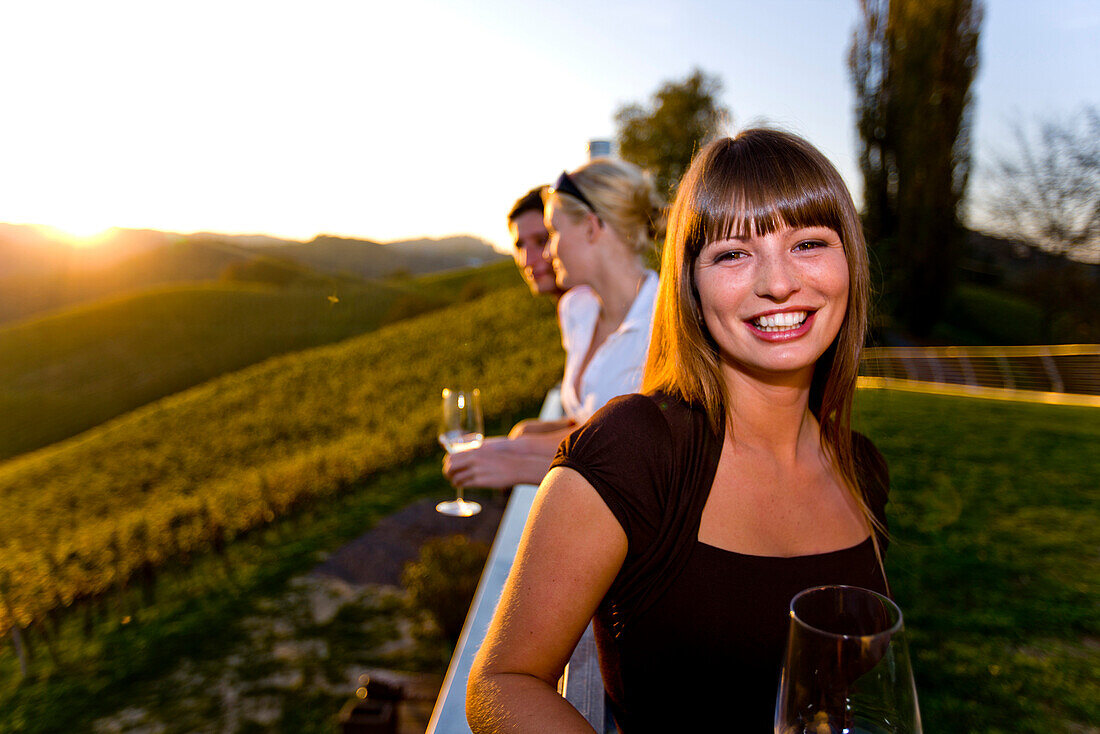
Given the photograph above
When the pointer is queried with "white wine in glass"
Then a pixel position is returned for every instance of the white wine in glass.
(461, 429)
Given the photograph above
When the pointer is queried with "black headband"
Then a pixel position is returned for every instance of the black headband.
(565, 185)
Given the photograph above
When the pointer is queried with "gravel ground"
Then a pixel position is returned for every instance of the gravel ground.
(301, 659)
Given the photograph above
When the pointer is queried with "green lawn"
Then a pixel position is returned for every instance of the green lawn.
(995, 518)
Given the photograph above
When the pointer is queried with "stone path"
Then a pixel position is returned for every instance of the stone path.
(379, 555)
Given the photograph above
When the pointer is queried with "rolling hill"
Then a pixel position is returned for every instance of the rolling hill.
(40, 272)
(341, 255)
(70, 371)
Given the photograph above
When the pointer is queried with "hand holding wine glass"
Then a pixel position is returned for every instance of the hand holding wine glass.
(847, 666)
(461, 429)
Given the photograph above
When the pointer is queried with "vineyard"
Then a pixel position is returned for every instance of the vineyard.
(70, 371)
(190, 472)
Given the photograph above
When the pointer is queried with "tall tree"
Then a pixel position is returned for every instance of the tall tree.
(912, 63)
(663, 136)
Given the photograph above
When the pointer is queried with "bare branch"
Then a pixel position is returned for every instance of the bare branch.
(1046, 191)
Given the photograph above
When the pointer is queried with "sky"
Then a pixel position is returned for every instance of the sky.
(395, 120)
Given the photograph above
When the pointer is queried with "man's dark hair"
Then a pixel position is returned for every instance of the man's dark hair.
(529, 202)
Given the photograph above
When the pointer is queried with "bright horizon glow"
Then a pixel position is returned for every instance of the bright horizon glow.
(427, 118)
(80, 237)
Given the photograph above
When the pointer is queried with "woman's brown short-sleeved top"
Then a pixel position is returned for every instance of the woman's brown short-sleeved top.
(691, 636)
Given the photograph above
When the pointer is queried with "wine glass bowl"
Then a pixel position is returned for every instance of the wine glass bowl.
(847, 668)
(460, 429)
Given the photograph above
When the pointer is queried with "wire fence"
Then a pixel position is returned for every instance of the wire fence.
(1067, 374)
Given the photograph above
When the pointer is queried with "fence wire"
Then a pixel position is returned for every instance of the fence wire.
(1063, 373)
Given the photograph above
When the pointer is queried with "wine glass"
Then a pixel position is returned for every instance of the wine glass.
(461, 429)
(847, 668)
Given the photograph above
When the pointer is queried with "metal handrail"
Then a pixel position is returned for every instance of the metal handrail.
(449, 714)
(581, 684)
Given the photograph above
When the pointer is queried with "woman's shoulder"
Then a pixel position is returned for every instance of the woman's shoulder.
(652, 430)
(630, 435)
(578, 309)
(624, 452)
(648, 430)
(576, 300)
(627, 416)
(658, 408)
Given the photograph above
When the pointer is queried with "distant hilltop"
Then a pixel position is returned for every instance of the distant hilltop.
(40, 272)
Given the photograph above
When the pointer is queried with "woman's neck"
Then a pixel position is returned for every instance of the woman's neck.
(772, 415)
(616, 287)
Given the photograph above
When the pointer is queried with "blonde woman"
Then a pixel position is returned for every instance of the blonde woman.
(684, 519)
(601, 218)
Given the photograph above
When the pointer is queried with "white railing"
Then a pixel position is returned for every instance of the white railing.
(581, 685)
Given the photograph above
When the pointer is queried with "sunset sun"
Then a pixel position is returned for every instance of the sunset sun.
(78, 234)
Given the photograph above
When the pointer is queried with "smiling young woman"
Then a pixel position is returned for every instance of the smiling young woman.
(774, 302)
(684, 519)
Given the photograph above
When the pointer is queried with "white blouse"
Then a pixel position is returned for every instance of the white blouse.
(616, 367)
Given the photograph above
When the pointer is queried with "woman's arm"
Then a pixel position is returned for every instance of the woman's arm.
(505, 462)
(542, 437)
(571, 551)
(532, 426)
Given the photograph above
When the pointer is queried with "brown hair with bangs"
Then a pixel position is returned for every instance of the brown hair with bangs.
(752, 185)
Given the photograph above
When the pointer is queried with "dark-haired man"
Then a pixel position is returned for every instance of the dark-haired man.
(530, 238)
(525, 454)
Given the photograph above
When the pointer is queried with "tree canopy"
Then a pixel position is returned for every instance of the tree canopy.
(662, 136)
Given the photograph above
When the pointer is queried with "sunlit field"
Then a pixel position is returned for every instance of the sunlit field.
(205, 465)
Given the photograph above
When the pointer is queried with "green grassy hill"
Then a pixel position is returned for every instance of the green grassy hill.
(71, 371)
(207, 464)
(329, 254)
(28, 295)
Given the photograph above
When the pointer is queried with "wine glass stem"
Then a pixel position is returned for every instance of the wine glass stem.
(458, 493)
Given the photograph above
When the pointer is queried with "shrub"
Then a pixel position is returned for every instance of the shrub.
(443, 580)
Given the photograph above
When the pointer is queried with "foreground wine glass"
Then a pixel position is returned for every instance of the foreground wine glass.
(847, 668)
(461, 429)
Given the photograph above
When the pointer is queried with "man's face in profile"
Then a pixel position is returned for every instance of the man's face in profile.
(530, 237)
